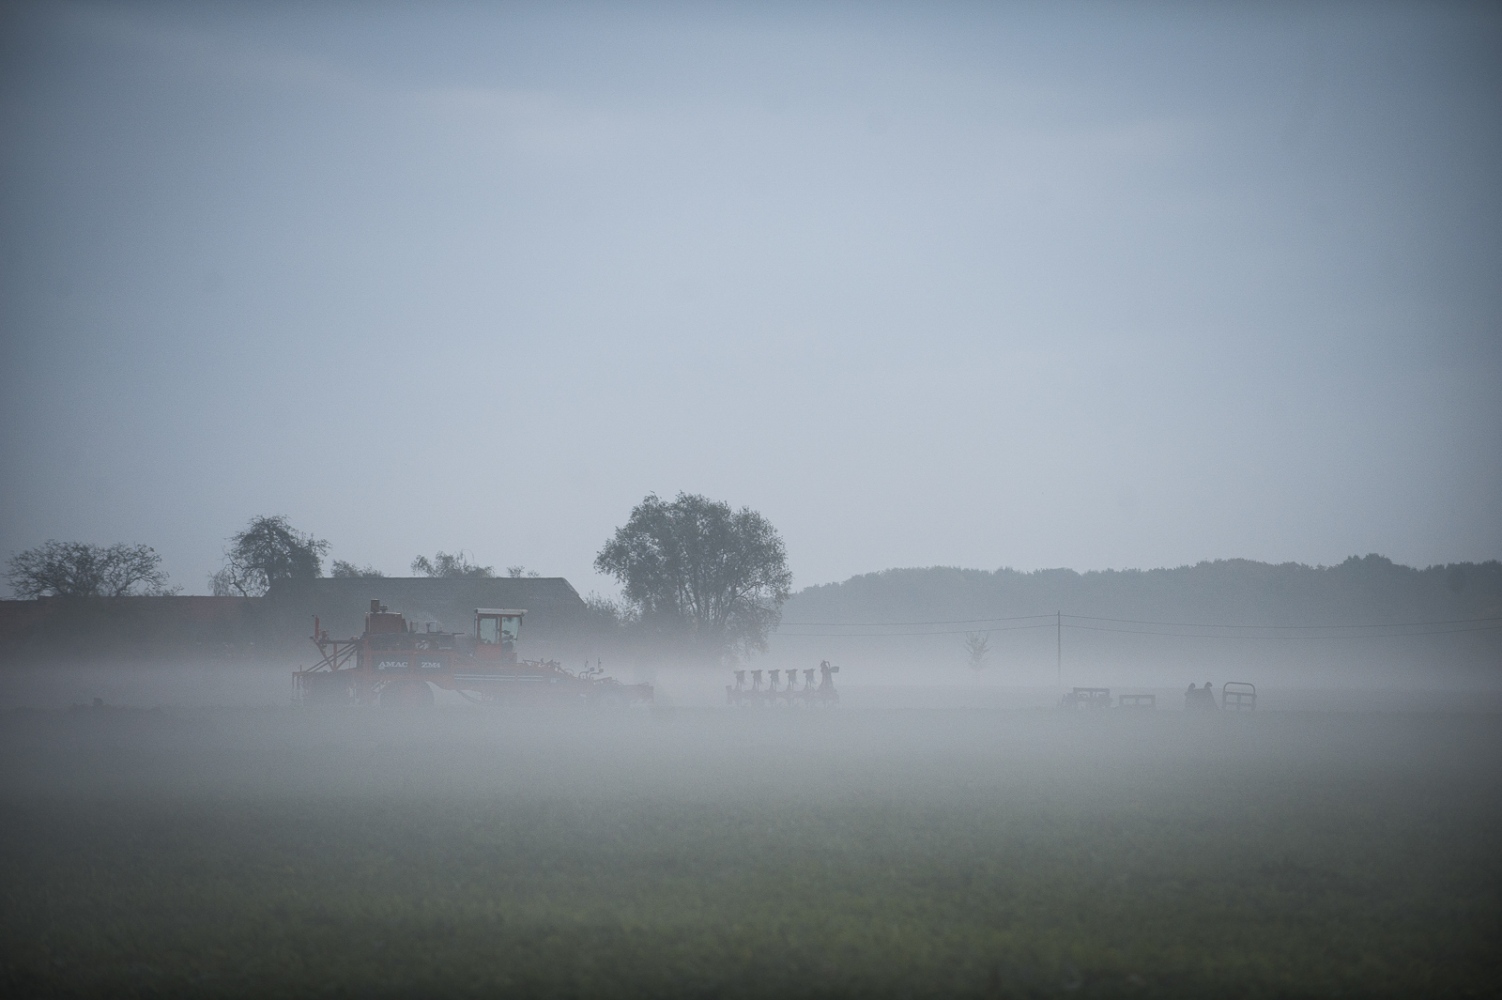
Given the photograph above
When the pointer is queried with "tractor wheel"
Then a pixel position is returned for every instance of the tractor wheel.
(407, 694)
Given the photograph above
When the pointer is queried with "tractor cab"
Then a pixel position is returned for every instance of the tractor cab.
(496, 632)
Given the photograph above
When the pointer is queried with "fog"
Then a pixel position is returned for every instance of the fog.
(1126, 347)
(773, 757)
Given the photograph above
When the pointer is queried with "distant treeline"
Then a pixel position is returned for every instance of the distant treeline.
(1369, 590)
(1361, 591)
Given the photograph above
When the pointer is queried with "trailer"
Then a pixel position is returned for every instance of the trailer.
(394, 663)
(1238, 696)
(1086, 697)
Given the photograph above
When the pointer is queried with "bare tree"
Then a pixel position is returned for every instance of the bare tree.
(449, 564)
(978, 645)
(80, 569)
(349, 571)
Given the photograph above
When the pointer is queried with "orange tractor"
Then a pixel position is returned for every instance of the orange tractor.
(395, 663)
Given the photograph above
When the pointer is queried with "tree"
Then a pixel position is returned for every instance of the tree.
(517, 572)
(446, 564)
(696, 571)
(79, 569)
(978, 644)
(267, 553)
(349, 571)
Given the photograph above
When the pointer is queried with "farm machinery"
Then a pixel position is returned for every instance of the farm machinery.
(1087, 697)
(1238, 696)
(1092, 697)
(821, 695)
(394, 663)
(1235, 696)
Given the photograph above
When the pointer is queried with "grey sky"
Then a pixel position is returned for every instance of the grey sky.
(1084, 285)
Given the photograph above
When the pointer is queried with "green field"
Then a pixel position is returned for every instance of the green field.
(713, 853)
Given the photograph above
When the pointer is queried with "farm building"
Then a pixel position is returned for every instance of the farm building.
(126, 629)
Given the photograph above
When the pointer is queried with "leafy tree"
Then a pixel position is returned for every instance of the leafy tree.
(267, 553)
(349, 571)
(446, 564)
(696, 570)
(978, 645)
(517, 572)
(79, 569)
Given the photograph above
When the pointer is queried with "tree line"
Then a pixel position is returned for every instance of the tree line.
(1208, 609)
(696, 576)
(1360, 589)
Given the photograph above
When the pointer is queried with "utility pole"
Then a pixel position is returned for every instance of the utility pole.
(1058, 620)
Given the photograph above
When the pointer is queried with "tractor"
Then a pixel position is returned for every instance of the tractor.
(394, 663)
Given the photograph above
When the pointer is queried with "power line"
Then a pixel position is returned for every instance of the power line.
(955, 621)
(1175, 635)
(980, 625)
(1139, 621)
(1377, 635)
(897, 635)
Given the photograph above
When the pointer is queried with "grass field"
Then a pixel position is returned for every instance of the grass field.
(265, 852)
